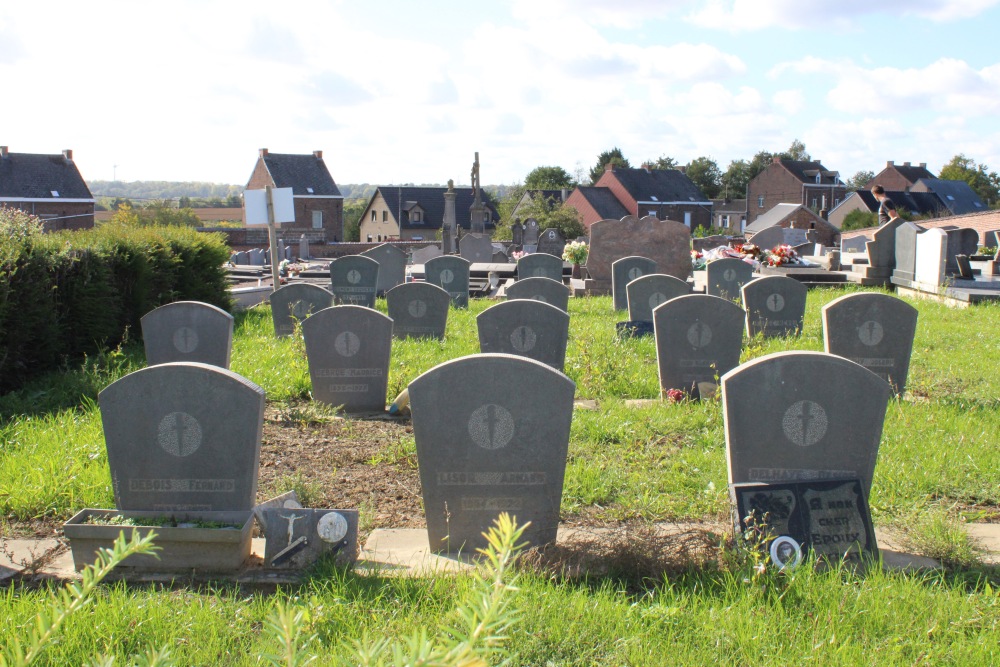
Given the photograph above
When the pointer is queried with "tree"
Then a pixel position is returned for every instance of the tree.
(552, 213)
(983, 183)
(706, 175)
(353, 210)
(662, 162)
(613, 156)
(859, 180)
(548, 178)
(736, 179)
(797, 151)
(859, 219)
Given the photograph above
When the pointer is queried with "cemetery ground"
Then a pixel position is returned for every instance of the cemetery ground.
(648, 599)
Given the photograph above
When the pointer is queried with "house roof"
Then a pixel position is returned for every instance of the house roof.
(659, 185)
(301, 172)
(912, 173)
(775, 216)
(919, 203)
(806, 171)
(603, 201)
(730, 206)
(39, 176)
(958, 196)
(431, 200)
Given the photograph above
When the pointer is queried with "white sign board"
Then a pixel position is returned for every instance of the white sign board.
(255, 202)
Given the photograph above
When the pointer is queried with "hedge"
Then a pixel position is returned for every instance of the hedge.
(69, 294)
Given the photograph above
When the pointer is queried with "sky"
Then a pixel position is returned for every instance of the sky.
(407, 91)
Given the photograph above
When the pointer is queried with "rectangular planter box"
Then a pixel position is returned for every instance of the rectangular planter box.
(182, 549)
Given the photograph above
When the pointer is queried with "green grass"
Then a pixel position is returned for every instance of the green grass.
(938, 465)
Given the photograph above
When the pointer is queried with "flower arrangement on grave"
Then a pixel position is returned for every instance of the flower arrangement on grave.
(674, 395)
(748, 250)
(780, 255)
(517, 254)
(987, 252)
(575, 252)
(697, 260)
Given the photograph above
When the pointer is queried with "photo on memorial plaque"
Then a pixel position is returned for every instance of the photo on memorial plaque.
(297, 538)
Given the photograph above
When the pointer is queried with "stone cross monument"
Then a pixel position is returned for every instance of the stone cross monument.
(448, 225)
(477, 211)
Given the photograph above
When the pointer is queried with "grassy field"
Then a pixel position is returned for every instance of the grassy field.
(938, 466)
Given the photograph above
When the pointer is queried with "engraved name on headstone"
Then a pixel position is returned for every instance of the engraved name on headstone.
(354, 280)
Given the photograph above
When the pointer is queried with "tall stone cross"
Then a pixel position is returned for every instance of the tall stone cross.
(477, 223)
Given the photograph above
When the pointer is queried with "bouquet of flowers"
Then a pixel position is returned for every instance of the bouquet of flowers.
(748, 250)
(697, 260)
(781, 255)
(517, 254)
(575, 252)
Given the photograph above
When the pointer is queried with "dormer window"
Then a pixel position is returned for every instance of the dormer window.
(819, 178)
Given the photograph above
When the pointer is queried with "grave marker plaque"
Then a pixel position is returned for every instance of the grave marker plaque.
(551, 242)
(666, 242)
(297, 538)
(391, 266)
(649, 291)
(526, 328)
(426, 254)
(531, 232)
(451, 274)
(354, 280)
(348, 350)
(418, 310)
(541, 289)
(183, 437)
(296, 302)
(492, 432)
(540, 265)
(624, 271)
(725, 277)
(188, 331)
(476, 249)
(775, 306)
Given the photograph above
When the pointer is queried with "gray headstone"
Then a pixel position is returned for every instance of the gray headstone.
(624, 271)
(492, 432)
(854, 244)
(882, 248)
(418, 310)
(296, 302)
(698, 339)
(517, 233)
(799, 416)
(304, 248)
(526, 328)
(188, 331)
(540, 265)
(906, 250)
(775, 306)
(476, 249)
(451, 274)
(874, 330)
(649, 291)
(183, 437)
(992, 239)
(297, 538)
(960, 242)
(769, 237)
(500, 258)
(391, 266)
(545, 290)
(348, 350)
(256, 256)
(932, 257)
(531, 232)
(725, 277)
(551, 242)
(242, 259)
(666, 242)
(354, 280)
(426, 254)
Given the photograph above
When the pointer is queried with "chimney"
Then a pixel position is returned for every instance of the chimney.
(609, 166)
(889, 163)
(263, 152)
(564, 193)
(4, 152)
(645, 167)
(775, 159)
(823, 213)
(68, 155)
(906, 164)
(318, 155)
(923, 165)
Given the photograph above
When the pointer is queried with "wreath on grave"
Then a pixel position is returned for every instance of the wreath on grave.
(780, 255)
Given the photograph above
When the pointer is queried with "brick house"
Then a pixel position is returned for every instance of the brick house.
(917, 204)
(319, 206)
(794, 182)
(730, 214)
(49, 186)
(796, 216)
(417, 212)
(899, 177)
(661, 193)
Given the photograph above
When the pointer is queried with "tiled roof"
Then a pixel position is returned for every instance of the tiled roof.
(806, 171)
(603, 202)
(659, 185)
(36, 176)
(431, 200)
(913, 173)
(730, 206)
(919, 203)
(958, 196)
(301, 172)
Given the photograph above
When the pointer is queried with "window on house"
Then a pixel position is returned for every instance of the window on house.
(385, 217)
(55, 193)
(836, 202)
(652, 213)
(417, 216)
(814, 202)
(373, 216)
(760, 201)
(687, 219)
(723, 221)
(486, 216)
(309, 190)
(317, 219)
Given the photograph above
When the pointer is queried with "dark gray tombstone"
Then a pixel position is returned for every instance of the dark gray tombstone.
(874, 330)
(906, 251)
(183, 437)
(418, 310)
(624, 271)
(476, 249)
(500, 258)
(348, 350)
(768, 238)
(854, 244)
(304, 248)
(294, 303)
(649, 291)
(698, 339)
(725, 277)
(545, 290)
(540, 265)
(517, 233)
(256, 256)
(241, 259)
(354, 280)
(451, 274)
(960, 242)
(992, 240)
(531, 232)
(551, 242)
(391, 266)
(775, 306)
(526, 328)
(188, 331)
(800, 416)
(297, 538)
(492, 432)
(425, 254)
(881, 249)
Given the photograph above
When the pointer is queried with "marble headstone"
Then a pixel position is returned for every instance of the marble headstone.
(183, 437)
(348, 350)
(649, 291)
(551, 242)
(188, 331)
(725, 277)
(426, 254)
(545, 290)
(492, 434)
(854, 244)
(354, 280)
(768, 238)
(476, 249)
(517, 233)
(418, 310)
(931, 259)
(874, 330)
(540, 265)
(666, 242)
(526, 328)
(775, 306)
(906, 251)
(963, 241)
(798, 416)
(500, 258)
(881, 249)
(531, 232)
(450, 273)
(296, 302)
(698, 339)
(297, 538)
(624, 271)
(391, 266)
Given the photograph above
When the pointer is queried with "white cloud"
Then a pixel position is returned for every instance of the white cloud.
(789, 101)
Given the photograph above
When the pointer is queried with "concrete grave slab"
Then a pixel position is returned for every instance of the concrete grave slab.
(188, 331)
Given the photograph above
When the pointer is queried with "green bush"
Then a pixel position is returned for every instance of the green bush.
(859, 220)
(69, 294)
